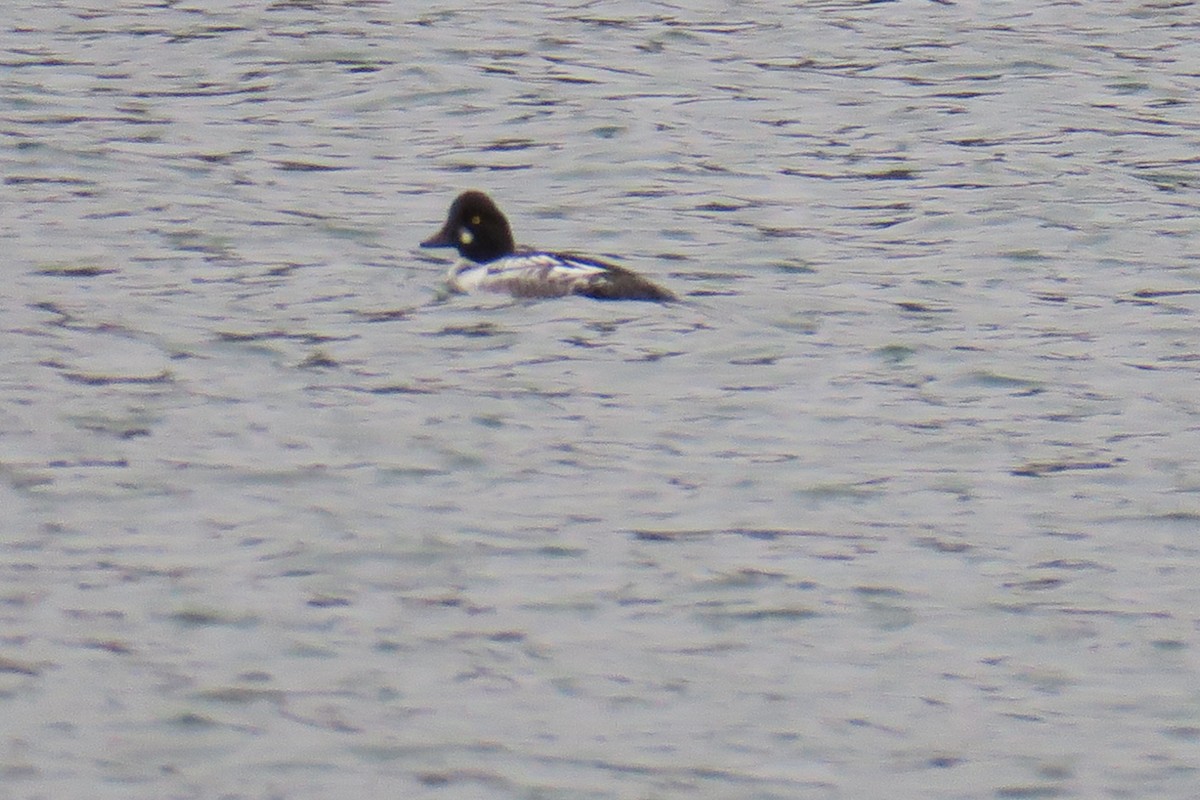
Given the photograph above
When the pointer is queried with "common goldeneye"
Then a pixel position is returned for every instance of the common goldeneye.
(491, 262)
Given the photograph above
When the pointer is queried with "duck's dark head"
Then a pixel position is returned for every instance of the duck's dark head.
(476, 228)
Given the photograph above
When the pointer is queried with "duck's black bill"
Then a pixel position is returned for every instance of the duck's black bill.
(439, 239)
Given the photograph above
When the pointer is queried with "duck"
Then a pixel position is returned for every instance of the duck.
(490, 261)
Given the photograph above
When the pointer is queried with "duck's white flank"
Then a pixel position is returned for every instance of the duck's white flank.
(527, 275)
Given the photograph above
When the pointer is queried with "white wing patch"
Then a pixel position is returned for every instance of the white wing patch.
(527, 275)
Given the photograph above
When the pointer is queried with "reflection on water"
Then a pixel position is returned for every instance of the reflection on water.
(901, 499)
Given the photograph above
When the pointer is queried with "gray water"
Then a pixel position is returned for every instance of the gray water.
(903, 501)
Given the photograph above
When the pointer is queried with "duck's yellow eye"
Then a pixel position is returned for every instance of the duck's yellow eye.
(475, 220)
(465, 236)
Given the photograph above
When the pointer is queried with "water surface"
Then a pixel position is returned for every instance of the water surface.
(903, 500)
